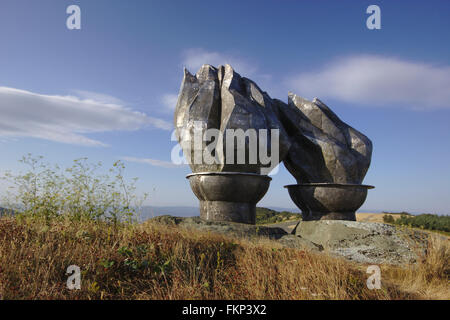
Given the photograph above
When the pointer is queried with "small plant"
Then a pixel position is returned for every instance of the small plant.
(164, 267)
(125, 251)
(106, 263)
(78, 192)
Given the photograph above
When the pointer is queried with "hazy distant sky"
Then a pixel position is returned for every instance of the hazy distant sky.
(108, 91)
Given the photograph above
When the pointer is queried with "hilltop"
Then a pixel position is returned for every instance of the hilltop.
(266, 216)
(155, 261)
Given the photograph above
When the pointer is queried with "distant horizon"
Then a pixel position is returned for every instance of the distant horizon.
(296, 210)
(279, 209)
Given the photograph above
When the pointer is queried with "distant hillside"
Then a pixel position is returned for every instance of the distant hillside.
(398, 213)
(265, 215)
(148, 212)
(281, 209)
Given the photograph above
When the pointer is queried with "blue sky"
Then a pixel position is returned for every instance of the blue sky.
(107, 91)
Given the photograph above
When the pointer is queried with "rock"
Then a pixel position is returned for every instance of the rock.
(241, 230)
(220, 99)
(365, 242)
(362, 242)
(222, 227)
(296, 242)
(323, 148)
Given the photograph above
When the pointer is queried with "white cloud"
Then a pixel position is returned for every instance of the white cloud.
(98, 97)
(153, 162)
(169, 101)
(194, 58)
(66, 119)
(376, 80)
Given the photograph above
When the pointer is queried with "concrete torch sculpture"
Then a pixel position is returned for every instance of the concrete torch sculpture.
(211, 104)
(328, 158)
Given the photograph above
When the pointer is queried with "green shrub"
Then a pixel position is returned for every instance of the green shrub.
(398, 213)
(78, 192)
(387, 218)
(426, 221)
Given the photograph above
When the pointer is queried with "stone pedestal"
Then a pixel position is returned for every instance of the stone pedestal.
(229, 196)
(328, 201)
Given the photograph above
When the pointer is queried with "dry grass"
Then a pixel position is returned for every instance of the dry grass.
(151, 261)
(429, 278)
(373, 217)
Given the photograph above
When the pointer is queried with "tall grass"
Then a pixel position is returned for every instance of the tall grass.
(431, 276)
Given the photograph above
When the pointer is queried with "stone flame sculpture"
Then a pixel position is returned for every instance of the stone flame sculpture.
(209, 104)
(328, 158)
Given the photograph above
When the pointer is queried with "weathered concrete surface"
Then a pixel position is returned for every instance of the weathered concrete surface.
(220, 99)
(365, 242)
(241, 230)
(328, 201)
(223, 227)
(296, 242)
(323, 147)
(229, 196)
(287, 226)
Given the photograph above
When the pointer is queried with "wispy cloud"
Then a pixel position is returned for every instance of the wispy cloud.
(66, 119)
(194, 58)
(154, 162)
(169, 101)
(98, 97)
(376, 80)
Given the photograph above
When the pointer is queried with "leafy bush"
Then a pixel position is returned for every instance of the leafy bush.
(426, 221)
(77, 192)
(387, 218)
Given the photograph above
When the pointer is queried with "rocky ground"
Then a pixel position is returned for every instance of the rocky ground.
(364, 242)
